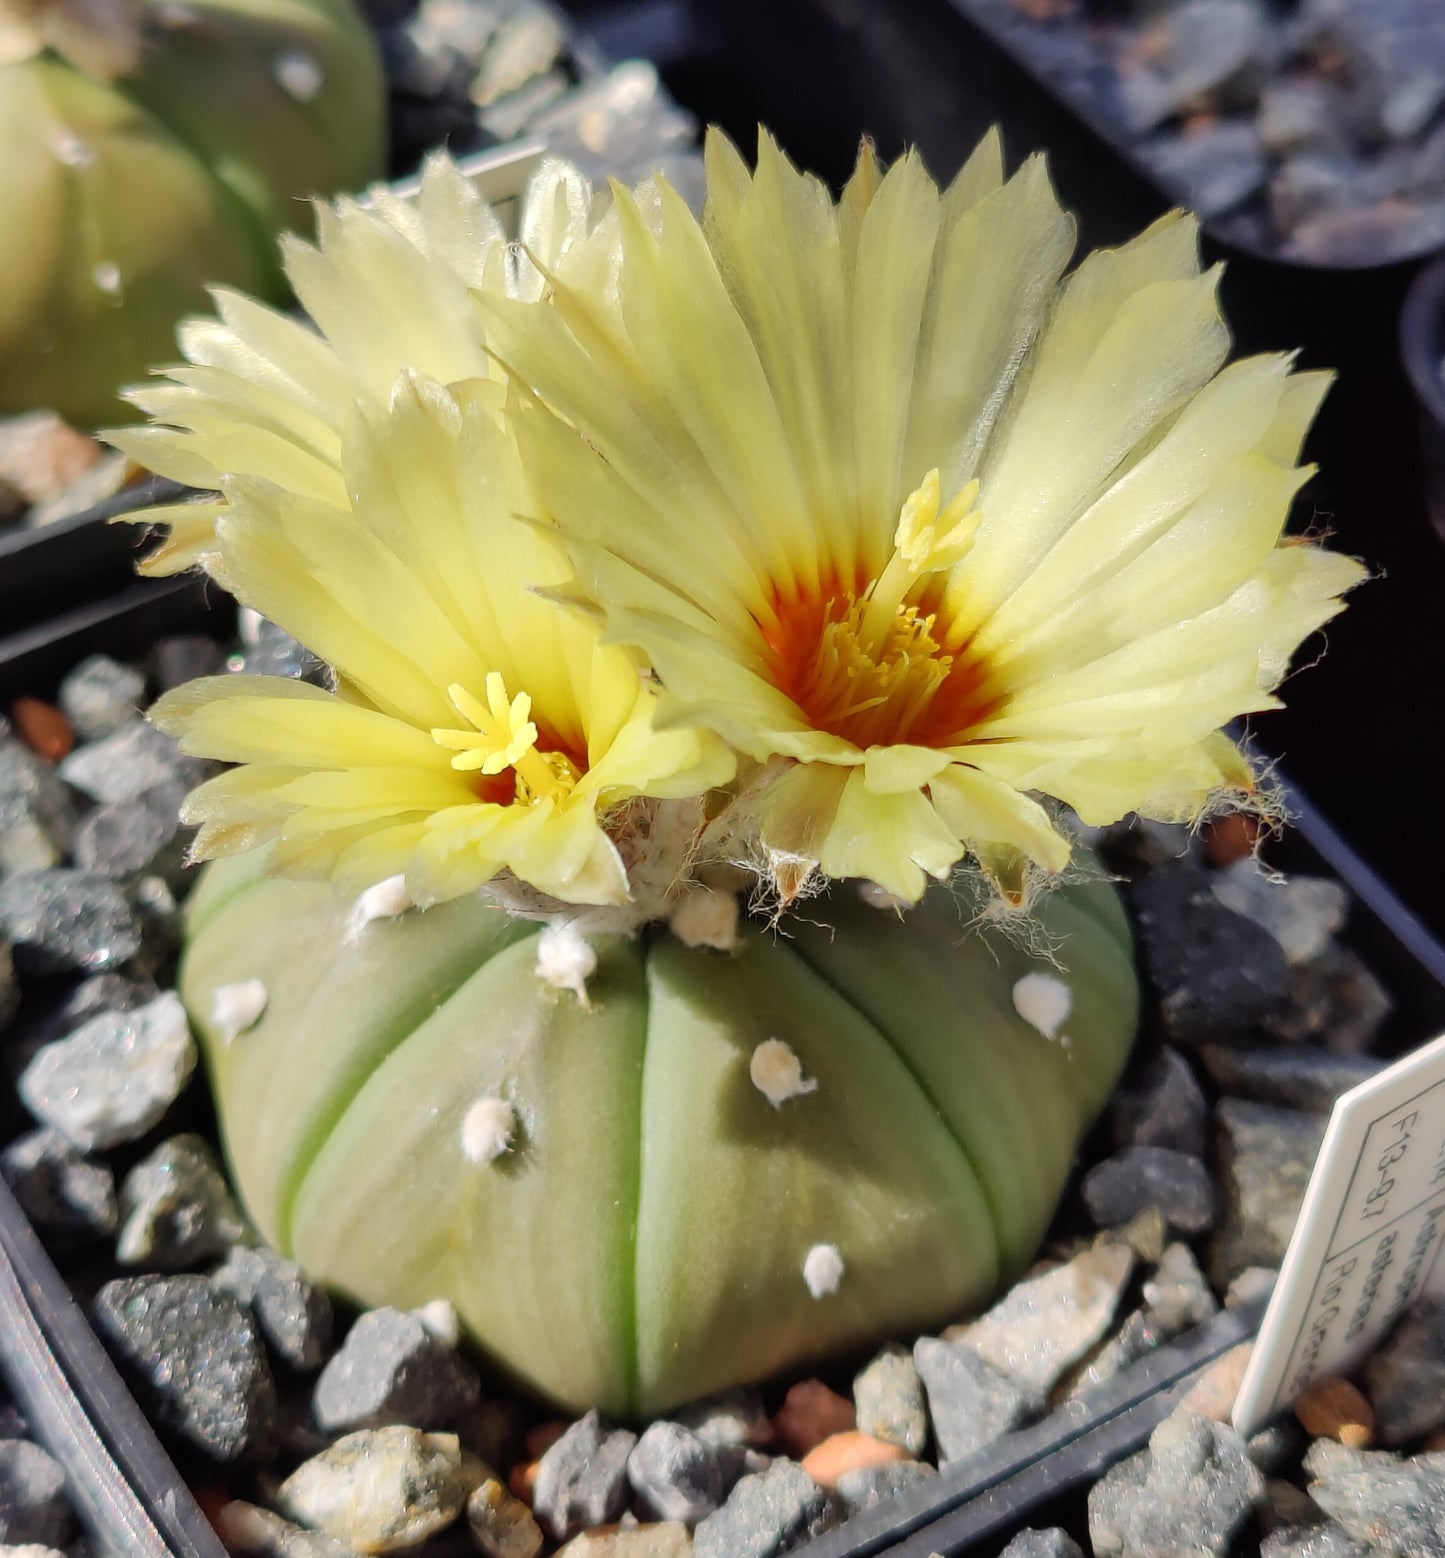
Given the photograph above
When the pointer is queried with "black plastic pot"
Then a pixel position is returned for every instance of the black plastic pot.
(126, 1486)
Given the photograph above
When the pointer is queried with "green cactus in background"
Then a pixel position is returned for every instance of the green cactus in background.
(141, 163)
(676, 1211)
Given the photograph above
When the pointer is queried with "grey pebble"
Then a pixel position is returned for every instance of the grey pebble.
(37, 818)
(1050, 1543)
(1177, 1296)
(194, 1358)
(100, 695)
(293, 1312)
(60, 920)
(888, 1401)
(391, 1369)
(1046, 1323)
(33, 1502)
(1405, 1380)
(1276, 1445)
(1136, 1338)
(1386, 1503)
(380, 1488)
(1163, 1107)
(865, 1487)
(1301, 1077)
(767, 1514)
(582, 1478)
(674, 1474)
(176, 1208)
(502, 1526)
(1193, 1489)
(1265, 1156)
(1123, 1185)
(1212, 170)
(1393, 49)
(1212, 972)
(183, 657)
(131, 761)
(1302, 913)
(1335, 1001)
(134, 838)
(69, 1198)
(9, 989)
(115, 1076)
(969, 1403)
(1203, 46)
(732, 1417)
(1326, 1540)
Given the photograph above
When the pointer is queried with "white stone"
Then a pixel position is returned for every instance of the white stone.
(565, 959)
(877, 897)
(1044, 1002)
(237, 1007)
(777, 1073)
(823, 1269)
(487, 1129)
(706, 917)
(384, 901)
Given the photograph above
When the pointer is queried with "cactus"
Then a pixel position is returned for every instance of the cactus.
(643, 1240)
(137, 169)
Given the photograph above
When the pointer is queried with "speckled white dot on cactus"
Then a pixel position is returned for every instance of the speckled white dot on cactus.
(237, 1007)
(383, 901)
(706, 917)
(823, 1269)
(566, 959)
(1044, 1002)
(487, 1130)
(777, 1073)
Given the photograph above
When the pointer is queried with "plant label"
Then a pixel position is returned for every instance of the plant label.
(1368, 1237)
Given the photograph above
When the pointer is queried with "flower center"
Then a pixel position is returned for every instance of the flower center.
(870, 663)
(503, 743)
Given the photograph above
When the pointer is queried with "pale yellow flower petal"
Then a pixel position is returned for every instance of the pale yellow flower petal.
(896, 840)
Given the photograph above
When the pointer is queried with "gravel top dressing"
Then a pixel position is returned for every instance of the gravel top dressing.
(308, 1431)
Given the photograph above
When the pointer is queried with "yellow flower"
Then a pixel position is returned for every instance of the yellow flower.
(476, 727)
(388, 286)
(368, 500)
(917, 525)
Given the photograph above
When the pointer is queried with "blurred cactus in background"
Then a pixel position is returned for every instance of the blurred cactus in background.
(149, 148)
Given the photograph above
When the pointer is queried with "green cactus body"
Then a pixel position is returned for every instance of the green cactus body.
(643, 1241)
(125, 199)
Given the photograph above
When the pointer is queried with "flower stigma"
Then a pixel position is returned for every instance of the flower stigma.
(871, 665)
(505, 738)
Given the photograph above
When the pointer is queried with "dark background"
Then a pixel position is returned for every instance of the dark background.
(1361, 730)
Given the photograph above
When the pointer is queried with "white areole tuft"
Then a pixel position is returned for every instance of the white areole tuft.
(566, 959)
(777, 1073)
(1044, 1002)
(237, 1007)
(384, 901)
(823, 1269)
(487, 1130)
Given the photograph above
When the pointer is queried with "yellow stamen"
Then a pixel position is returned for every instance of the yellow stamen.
(504, 738)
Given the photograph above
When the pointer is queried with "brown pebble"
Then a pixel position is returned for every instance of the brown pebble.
(1334, 1409)
(1234, 836)
(1212, 1394)
(43, 728)
(811, 1413)
(849, 1451)
(522, 1479)
(1434, 1443)
(540, 1437)
(42, 456)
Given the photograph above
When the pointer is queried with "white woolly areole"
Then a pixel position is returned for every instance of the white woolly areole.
(565, 959)
(439, 1319)
(823, 1269)
(877, 897)
(1044, 1002)
(777, 1073)
(384, 901)
(487, 1129)
(706, 917)
(234, 1008)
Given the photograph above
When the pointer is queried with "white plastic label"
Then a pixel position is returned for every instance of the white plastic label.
(1367, 1240)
